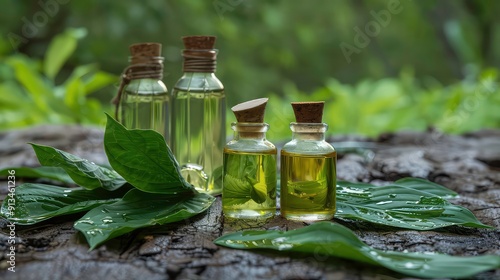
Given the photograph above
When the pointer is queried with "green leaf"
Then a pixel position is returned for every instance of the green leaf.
(235, 191)
(136, 210)
(60, 49)
(334, 240)
(86, 174)
(269, 166)
(248, 176)
(399, 205)
(259, 192)
(45, 172)
(426, 186)
(33, 203)
(39, 91)
(143, 158)
(99, 80)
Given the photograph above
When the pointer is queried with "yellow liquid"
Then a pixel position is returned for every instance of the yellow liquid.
(139, 111)
(249, 184)
(198, 137)
(308, 185)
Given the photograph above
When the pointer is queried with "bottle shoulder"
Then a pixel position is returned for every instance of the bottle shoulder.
(251, 146)
(203, 82)
(146, 87)
(308, 147)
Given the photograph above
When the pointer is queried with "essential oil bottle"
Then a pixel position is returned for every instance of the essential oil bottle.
(308, 167)
(143, 101)
(249, 169)
(198, 124)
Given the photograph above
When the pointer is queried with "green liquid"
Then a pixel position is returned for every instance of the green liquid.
(249, 184)
(198, 137)
(139, 111)
(308, 185)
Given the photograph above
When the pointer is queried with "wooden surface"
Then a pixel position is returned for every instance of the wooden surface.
(468, 164)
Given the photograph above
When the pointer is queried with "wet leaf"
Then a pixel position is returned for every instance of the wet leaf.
(136, 210)
(143, 158)
(33, 203)
(400, 205)
(85, 173)
(326, 238)
(45, 172)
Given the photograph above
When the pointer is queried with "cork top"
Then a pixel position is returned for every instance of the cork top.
(308, 112)
(145, 49)
(199, 42)
(251, 111)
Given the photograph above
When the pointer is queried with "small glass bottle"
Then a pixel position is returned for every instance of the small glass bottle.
(142, 100)
(199, 116)
(249, 172)
(308, 167)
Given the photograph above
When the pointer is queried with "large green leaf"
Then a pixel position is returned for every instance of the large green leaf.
(33, 203)
(86, 174)
(409, 203)
(334, 240)
(426, 186)
(45, 172)
(143, 158)
(136, 210)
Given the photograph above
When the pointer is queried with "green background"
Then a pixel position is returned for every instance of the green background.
(417, 64)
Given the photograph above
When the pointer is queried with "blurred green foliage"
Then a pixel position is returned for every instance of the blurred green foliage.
(423, 67)
(30, 96)
(371, 107)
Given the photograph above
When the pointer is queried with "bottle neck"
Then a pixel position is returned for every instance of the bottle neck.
(249, 131)
(204, 61)
(308, 131)
(141, 67)
(144, 67)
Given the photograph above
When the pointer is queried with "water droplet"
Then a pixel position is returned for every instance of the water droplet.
(410, 265)
(107, 220)
(68, 191)
(85, 221)
(384, 202)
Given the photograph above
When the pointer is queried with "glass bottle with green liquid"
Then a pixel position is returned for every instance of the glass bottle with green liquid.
(198, 125)
(142, 101)
(308, 167)
(249, 169)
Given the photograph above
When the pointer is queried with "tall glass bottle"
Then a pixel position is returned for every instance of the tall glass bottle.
(249, 172)
(199, 116)
(142, 100)
(308, 169)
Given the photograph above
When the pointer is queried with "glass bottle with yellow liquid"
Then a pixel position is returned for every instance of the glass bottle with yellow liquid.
(143, 101)
(198, 126)
(308, 167)
(249, 170)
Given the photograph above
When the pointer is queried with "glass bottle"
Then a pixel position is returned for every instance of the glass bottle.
(198, 116)
(143, 101)
(308, 174)
(249, 173)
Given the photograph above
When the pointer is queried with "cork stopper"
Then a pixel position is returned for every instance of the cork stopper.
(251, 111)
(199, 42)
(308, 112)
(145, 49)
